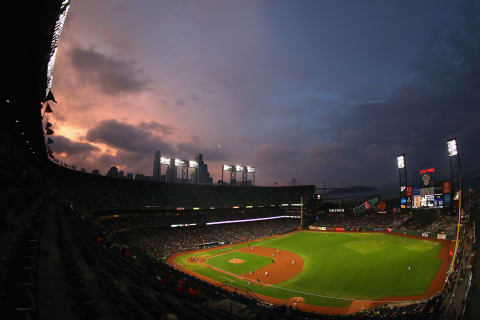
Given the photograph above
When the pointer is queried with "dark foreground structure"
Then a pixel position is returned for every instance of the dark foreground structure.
(80, 246)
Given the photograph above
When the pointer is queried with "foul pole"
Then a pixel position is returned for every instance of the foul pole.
(458, 223)
(301, 212)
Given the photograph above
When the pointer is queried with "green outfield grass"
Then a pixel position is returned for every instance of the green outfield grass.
(361, 266)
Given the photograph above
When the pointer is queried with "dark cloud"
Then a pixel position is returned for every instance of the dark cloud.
(194, 97)
(58, 116)
(180, 102)
(209, 154)
(275, 155)
(63, 144)
(156, 126)
(125, 136)
(111, 74)
(418, 117)
(136, 145)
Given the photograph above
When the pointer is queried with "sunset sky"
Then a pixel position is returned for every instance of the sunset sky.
(312, 90)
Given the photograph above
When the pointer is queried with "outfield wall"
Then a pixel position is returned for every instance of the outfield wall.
(441, 236)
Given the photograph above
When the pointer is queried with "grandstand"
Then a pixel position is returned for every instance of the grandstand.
(81, 246)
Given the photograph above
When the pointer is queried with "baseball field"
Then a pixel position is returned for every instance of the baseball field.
(326, 272)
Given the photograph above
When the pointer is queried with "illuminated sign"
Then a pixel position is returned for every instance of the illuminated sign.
(426, 178)
(446, 187)
(336, 210)
(425, 191)
(180, 208)
(196, 208)
(235, 207)
(409, 191)
(431, 170)
(417, 201)
(249, 207)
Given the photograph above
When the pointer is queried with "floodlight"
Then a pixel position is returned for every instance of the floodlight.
(227, 167)
(452, 147)
(401, 161)
(165, 161)
(193, 164)
(250, 169)
(238, 168)
(178, 162)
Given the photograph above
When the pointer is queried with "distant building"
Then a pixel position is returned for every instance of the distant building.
(83, 170)
(248, 183)
(156, 166)
(203, 174)
(171, 172)
(139, 176)
(130, 176)
(96, 171)
(113, 172)
(120, 174)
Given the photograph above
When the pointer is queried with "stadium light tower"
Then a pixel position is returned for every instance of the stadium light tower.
(455, 168)
(456, 175)
(402, 172)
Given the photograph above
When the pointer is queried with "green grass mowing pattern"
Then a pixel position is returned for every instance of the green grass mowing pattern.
(251, 262)
(348, 265)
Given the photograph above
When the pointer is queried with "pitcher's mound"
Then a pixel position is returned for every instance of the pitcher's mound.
(296, 299)
(235, 260)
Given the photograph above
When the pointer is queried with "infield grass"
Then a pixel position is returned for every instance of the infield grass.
(338, 267)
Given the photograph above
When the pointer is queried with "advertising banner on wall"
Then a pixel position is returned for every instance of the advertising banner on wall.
(417, 200)
(416, 191)
(425, 191)
(439, 200)
(409, 191)
(409, 202)
(441, 236)
(446, 187)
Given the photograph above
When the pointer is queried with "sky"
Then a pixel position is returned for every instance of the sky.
(313, 90)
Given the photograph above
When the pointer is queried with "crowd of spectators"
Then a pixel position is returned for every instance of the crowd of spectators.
(369, 220)
(423, 221)
(138, 220)
(160, 243)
